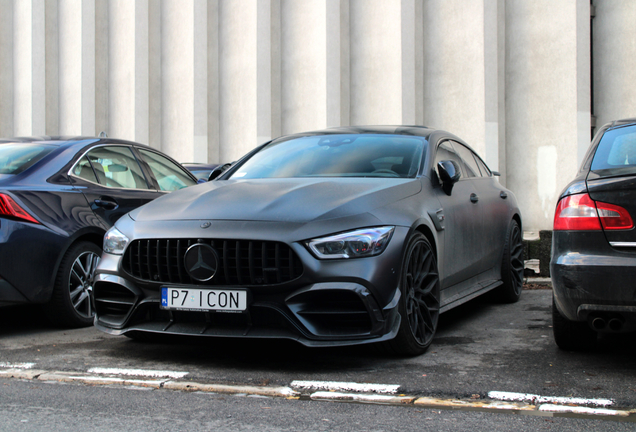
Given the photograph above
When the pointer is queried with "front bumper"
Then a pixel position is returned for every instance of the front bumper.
(333, 302)
(594, 282)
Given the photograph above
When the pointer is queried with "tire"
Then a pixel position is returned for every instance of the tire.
(419, 300)
(511, 266)
(571, 335)
(71, 304)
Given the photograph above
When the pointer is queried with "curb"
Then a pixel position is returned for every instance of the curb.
(540, 406)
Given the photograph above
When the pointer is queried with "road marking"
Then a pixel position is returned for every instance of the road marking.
(582, 410)
(345, 387)
(138, 372)
(364, 398)
(537, 399)
(16, 365)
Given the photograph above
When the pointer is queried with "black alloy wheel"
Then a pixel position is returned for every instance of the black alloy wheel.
(419, 303)
(71, 304)
(512, 266)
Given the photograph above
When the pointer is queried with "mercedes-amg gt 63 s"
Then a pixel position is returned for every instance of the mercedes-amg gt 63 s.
(593, 264)
(335, 237)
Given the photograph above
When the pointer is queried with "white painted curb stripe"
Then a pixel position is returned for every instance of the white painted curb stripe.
(582, 410)
(138, 372)
(537, 399)
(345, 387)
(16, 365)
(355, 397)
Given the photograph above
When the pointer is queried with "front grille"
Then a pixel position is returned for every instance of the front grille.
(241, 262)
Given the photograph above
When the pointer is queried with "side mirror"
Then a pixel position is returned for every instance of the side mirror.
(218, 171)
(449, 174)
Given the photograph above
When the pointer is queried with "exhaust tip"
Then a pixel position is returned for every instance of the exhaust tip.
(598, 323)
(615, 324)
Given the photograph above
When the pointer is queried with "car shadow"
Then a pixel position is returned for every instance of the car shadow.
(23, 319)
(277, 354)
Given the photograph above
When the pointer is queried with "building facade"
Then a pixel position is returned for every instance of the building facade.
(523, 82)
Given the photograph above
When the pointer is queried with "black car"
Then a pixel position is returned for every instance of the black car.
(58, 196)
(335, 237)
(593, 263)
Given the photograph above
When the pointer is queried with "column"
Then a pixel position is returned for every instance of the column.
(76, 28)
(454, 71)
(614, 51)
(248, 81)
(547, 74)
(184, 79)
(29, 67)
(6, 73)
(128, 70)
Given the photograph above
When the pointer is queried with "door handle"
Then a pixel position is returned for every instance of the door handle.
(474, 198)
(106, 204)
(503, 195)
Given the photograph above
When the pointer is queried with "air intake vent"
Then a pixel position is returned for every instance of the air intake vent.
(241, 262)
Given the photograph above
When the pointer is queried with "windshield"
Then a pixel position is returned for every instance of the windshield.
(347, 155)
(17, 157)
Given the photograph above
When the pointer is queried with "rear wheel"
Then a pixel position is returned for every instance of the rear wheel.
(419, 302)
(71, 304)
(571, 335)
(511, 266)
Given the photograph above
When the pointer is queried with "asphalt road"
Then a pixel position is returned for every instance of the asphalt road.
(480, 347)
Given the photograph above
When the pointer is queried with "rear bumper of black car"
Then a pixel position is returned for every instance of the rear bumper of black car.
(594, 282)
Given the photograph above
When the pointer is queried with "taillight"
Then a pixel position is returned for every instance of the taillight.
(581, 213)
(8, 207)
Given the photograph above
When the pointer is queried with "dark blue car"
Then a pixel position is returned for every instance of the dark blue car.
(58, 196)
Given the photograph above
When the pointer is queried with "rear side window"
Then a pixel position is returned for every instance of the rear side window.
(472, 170)
(616, 153)
(17, 157)
(169, 175)
(112, 166)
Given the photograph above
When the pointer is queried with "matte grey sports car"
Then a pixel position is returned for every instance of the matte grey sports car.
(336, 237)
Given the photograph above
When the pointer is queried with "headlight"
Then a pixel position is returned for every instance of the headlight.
(354, 244)
(115, 242)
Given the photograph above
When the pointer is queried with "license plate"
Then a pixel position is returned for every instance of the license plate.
(203, 299)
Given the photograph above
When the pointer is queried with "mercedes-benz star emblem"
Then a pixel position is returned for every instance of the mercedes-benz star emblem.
(201, 262)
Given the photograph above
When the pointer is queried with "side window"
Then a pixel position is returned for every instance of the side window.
(445, 151)
(472, 170)
(485, 171)
(169, 175)
(116, 166)
(83, 169)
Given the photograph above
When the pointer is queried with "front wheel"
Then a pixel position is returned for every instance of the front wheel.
(71, 304)
(419, 302)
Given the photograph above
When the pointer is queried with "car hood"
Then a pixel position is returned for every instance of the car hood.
(281, 200)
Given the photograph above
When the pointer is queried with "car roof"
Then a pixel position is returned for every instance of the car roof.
(66, 141)
(411, 130)
(622, 122)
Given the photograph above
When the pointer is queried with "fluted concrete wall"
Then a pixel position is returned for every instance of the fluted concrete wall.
(207, 80)
(614, 60)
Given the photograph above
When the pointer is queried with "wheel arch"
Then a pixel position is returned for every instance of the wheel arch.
(95, 236)
(428, 233)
